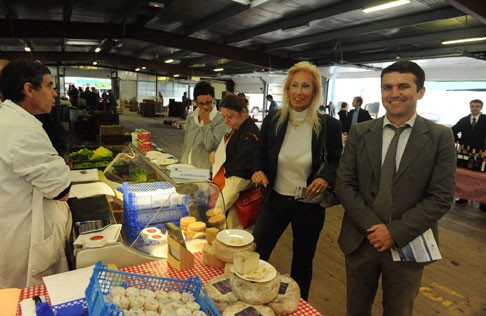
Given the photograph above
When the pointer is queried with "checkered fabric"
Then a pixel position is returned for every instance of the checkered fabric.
(470, 185)
(162, 268)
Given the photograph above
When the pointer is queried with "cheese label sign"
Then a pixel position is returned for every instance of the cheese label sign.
(283, 288)
(249, 311)
(223, 287)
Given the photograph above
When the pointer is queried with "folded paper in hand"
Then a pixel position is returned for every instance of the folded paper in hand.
(422, 249)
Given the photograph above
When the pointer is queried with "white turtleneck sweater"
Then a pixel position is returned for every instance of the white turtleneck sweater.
(295, 156)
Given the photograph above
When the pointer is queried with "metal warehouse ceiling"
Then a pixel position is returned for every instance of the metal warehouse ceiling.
(240, 36)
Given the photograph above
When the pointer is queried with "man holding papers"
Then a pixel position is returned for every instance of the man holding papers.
(395, 180)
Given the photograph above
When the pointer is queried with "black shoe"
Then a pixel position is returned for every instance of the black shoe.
(482, 207)
(461, 201)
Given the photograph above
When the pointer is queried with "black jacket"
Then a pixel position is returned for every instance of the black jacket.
(475, 138)
(270, 144)
(241, 150)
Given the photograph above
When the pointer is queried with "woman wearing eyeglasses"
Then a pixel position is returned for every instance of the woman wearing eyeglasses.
(205, 128)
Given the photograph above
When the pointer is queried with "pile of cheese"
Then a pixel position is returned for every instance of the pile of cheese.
(233, 295)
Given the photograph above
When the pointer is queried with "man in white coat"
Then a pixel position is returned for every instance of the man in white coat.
(34, 185)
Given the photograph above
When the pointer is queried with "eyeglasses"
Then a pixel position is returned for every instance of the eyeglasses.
(207, 103)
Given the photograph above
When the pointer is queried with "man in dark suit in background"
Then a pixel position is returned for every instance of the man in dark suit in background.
(343, 117)
(357, 115)
(472, 128)
(392, 198)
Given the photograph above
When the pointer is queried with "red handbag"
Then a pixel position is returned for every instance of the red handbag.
(248, 206)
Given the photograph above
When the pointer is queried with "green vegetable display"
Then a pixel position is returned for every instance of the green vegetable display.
(101, 153)
(139, 175)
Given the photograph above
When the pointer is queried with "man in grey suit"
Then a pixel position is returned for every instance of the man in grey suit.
(383, 213)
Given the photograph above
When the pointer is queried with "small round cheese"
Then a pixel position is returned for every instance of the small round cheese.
(255, 293)
(225, 253)
(219, 291)
(217, 220)
(288, 297)
(242, 308)
(197, 227)
(214, 211)
(186, 220)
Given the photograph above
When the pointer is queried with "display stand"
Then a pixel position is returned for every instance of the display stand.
(178, 255)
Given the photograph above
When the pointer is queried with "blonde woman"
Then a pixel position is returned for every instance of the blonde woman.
(288, 160)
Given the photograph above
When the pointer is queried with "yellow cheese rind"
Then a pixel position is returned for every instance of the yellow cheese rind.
(210, 259)
(211, 233)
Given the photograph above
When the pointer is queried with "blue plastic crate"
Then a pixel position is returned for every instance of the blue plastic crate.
(103, 279)
(77, 307)
(143, 204)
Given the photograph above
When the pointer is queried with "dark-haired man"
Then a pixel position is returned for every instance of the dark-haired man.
(395, 180)
(34, 180)
(357, 115)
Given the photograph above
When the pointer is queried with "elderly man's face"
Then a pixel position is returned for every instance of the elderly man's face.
(44, 97)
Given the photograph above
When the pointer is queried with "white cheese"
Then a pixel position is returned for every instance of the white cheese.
(255, 293)
(288, 297)
(220, 292)
(225, 252)
(242, 308)
(245, 262)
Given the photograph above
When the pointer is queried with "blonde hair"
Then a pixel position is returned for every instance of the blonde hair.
(317, 98)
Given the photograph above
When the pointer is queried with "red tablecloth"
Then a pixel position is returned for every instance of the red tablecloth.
(471, 185)
(162, 268)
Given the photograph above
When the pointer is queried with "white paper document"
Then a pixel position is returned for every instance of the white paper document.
(422, 249)
(68, 286)
(84, 190)
(85, 175)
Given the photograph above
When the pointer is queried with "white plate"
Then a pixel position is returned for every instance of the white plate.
(265, 272)
(235, 237)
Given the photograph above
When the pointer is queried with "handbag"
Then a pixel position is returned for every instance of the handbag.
(248, 206)
(329, 197)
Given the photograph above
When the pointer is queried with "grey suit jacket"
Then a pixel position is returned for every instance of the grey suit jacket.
(423, 188)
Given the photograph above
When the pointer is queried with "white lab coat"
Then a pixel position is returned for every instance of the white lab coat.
(31, 174)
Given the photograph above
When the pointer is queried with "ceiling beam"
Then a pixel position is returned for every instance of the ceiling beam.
(7, 9)
(62, 57)
(414, 54)
(215, 18)
(59, 29)
(374, 26)
(393, 42)
(288, 22)
(474, 8)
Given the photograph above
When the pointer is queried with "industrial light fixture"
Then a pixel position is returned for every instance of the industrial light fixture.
(144, 67)
(176, 75)
(157, 5)
(386, 6)
(169, 61)
(95, 63)
(137, 69)
(98, 49)
(27, 48)
(218, 69)
(464, 40)
(82, 42)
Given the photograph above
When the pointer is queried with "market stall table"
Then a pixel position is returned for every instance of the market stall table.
(471, 185)
(163, 269)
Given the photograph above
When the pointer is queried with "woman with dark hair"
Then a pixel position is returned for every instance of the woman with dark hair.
(205, 128)
(233, 167)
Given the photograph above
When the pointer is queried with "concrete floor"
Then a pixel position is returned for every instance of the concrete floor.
(452, 286)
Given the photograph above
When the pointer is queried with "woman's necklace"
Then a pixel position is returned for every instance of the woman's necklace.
(296, 123)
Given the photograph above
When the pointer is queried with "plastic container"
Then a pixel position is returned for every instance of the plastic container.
(154, 203)
(77, 307)
(103, 279)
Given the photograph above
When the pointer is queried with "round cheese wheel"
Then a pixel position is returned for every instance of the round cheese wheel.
(186, 220)
(242, 308)
(219, 291)
(217, 220)
(225, 253)
(288, 297)
(197, 227)
(214, 211)
(255, 293)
